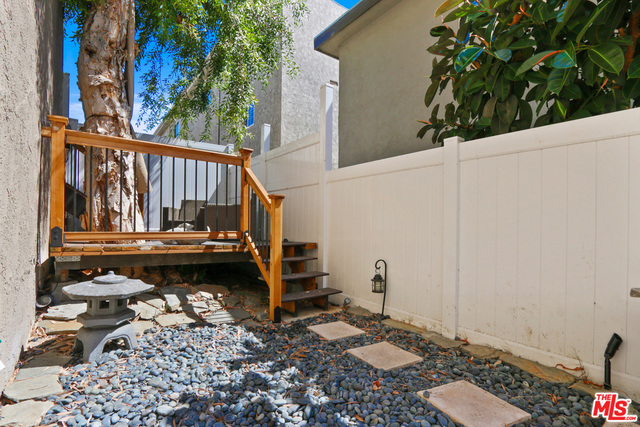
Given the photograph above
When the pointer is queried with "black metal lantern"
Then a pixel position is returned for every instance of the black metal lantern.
(379, 283)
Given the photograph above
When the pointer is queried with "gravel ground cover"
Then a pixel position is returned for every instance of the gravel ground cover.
(228, 375)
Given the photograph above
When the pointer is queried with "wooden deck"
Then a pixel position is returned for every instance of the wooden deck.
(260, 215)
(77, 256)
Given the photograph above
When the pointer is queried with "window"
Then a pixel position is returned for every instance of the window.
(176, 130)
(251, 115)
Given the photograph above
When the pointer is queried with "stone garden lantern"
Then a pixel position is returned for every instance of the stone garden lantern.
(107, 317)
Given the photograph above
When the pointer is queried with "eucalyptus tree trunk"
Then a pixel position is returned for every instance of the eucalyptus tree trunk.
(102, 85)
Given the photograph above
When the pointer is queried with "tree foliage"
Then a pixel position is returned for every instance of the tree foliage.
(516, 64)
(188, 48)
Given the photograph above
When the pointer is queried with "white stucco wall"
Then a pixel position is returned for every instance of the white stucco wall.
(384, 73)
(30, 75)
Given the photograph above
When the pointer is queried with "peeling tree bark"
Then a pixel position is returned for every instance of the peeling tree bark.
(102, 85)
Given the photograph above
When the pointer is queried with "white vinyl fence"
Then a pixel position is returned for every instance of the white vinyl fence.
(528, 242)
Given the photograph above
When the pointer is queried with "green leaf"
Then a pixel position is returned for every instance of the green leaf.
(475, 102)
(422, 132)
(466, 57)
(560, 108)
(580, 114)
(631, 89)
(608, 56)
(504, 54)
(634, 68)
(522, 43)
(502, 88)
(572, 91)
(447, 6)
(526, 113)
(438, 31)
(558, 79)
(508, 109)
(431, 93)
(563, 60)
(489, 108)
(529, 63)
(474, 84)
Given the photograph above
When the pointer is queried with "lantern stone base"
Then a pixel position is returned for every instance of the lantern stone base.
(92, 341)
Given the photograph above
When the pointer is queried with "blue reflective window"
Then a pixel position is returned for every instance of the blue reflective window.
(251, 115)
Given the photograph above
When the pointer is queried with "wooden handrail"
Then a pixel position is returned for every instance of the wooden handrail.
(115, 236)
(258, 189)
(116, 143)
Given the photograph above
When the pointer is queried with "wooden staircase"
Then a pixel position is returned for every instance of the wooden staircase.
(293, 256)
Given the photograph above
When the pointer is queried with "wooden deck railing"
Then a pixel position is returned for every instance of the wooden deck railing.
(264, 243)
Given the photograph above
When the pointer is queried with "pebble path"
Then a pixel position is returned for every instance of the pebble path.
(232, 375)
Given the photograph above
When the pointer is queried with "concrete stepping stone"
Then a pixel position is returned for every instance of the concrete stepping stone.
(33, 388)
(384, 355)
(472, 406)
(335, 330)
(24, 414)
(174, 319)
(54, 327)
(66, 311)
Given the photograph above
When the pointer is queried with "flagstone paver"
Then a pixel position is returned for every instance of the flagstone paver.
(40, 371)
(239, 313)
(221, 316)
(24, 414)
(335, 330)
(53, 327)
(66, 311)
(384, 355)
(33, 388)
(174, 319)
(472, 406)
(140, 326)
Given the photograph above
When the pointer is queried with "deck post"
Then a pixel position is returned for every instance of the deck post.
(275, 265)
(58, 125)
(244, 190)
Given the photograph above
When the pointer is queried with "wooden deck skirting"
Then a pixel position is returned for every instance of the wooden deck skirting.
(109, 243)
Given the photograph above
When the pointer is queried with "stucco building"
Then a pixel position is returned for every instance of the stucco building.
(290, 105)
(384, 73)
(31, 87)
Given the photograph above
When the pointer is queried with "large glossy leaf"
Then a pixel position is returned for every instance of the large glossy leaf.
(504, 54)
(558, 78)
(560, 108)
(566, 58)
(634, 68)
(526, 113)
(489, 107)
(431, 92)
(531, 62)
(502, 88)
(522, 43)
(631, 89)
(608, 56)
(466, 57)
(508, 109)
(447, 6)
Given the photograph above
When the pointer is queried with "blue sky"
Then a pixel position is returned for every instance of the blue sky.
(69, 66)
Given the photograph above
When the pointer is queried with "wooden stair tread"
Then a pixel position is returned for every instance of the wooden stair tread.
(315, 293)
(299, 258)
(303, 275)
(303, 245)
